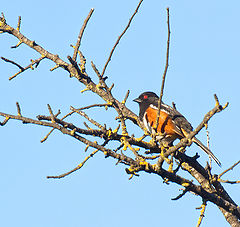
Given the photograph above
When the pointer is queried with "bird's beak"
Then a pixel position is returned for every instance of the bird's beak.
(138, 100)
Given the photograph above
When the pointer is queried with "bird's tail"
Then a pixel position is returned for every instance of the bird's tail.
(206, 150)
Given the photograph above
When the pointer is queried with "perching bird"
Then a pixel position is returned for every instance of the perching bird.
(172, 124)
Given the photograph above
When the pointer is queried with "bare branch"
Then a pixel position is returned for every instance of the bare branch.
(75, 169)
(88, 118)
(96, 70)
(230, 168)
(18, 29)
(22, 69)
(50, 132)
(95, 105)
(12, 62)
(18, 109)
(126, 97)
(203, 208)
(51, 113)
(229, 181)
(139, 164)
(81, 34)
(164, 73)
(19, 23)
(5, 121)
(4, 27)
(185, 190)
(119, 38)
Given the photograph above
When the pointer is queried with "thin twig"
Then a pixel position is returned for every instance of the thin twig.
(46, 137)
(12, 62)
(185, 190)
(18, 109)
(76, 168)
(87, 117)
(19, 23)
(50, 132)
(18, 29)
(51, 113)
(95, 105)
(111, 87)
(22, 69)
(229, 181)
(96, 70)
(164, 73)
(115, 45)
(230, 168)
(17, 45)
(152, 157)
(5, 121)
(81, 34)
(203, 208)
(86, 125)
(70, 113)
(126, 97)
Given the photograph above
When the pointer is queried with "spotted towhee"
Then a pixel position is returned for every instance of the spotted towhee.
(172, 125)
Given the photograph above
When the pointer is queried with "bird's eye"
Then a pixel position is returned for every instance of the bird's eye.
(145, 96)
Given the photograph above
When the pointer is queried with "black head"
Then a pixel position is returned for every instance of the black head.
(144, 101)
(146, 97)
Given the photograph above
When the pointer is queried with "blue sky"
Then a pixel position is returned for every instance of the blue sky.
(204, 59)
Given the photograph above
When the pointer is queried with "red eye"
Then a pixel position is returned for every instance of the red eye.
(145, 96)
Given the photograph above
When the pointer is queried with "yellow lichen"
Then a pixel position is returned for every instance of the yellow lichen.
(170, 167)
(85, 89)
(225, 106)
(73, 131)
(143, 162)
(109, 133)
(55, 67)
(18, 44)
(130, 177)
(162, 154)
(186, 166)
(31, 44)
(116, 130)
(99, 86)
(80, 165)
(125, 147)
(2, 22)
(185, 184)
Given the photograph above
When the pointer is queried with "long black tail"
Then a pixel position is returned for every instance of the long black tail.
(205, 149)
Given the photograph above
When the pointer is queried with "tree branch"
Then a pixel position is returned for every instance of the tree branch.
(81, 34)
(119, 38)
(164, 73)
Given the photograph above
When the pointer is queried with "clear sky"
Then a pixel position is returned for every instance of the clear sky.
(204, 59)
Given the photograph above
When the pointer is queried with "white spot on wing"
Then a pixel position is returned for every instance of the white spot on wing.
(153, 107)
(162, 105)
(146, 124)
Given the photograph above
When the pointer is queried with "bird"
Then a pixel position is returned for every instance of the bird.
(172, 124)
